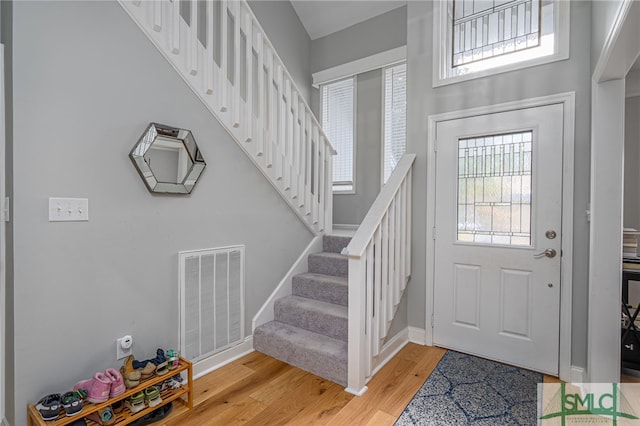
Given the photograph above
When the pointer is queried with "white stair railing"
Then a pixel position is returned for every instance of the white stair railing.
(221, 51)
(379, 268)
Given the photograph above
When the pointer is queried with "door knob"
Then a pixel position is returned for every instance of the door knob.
(550, 253)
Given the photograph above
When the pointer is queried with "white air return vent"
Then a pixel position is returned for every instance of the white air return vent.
(211, 301)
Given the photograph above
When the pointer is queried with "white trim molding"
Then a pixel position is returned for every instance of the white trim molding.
(577, 374)
(223, 358)
(390, 349)
(568, 102)
(379, 60)
(417, 335)
(620, 51)
(285, 287)
(441, 45)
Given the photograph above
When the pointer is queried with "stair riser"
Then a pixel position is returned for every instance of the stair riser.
(329, 266)
(331, 367)
(334, 244)
(323, 291)
(318, 322)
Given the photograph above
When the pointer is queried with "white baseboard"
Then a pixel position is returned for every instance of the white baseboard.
(390, 349)
(577, 374)
(417, 335)
(223, 358)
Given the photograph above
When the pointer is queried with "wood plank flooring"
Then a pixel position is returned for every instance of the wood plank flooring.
(259, 390)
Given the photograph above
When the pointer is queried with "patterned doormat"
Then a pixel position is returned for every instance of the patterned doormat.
(466, 390)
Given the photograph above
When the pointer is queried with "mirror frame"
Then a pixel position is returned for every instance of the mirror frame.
(144, 144)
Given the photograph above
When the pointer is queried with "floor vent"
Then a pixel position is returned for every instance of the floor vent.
(211, 301)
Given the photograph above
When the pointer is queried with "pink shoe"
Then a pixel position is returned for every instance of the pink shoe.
(117, 383)
(97, 388)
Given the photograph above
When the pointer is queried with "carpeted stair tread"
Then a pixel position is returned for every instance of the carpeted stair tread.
(318, 354)
(327, 288)
(335, 243)
(313, 315)
(328, 263)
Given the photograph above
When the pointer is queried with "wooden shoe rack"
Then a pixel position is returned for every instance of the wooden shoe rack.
(184, 395)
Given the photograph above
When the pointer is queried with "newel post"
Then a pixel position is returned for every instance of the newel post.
(356, 364)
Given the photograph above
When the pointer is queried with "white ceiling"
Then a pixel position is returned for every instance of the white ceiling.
(323, 17)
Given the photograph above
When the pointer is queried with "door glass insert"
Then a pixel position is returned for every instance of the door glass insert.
(494, 189)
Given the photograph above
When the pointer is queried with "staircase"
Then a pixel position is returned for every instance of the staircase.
(310, 328)
(220, 50)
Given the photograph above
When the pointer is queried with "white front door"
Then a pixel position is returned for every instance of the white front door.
(498, 237)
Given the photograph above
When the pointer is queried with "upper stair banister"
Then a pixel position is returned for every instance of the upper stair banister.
(219, 48)
(379, 267)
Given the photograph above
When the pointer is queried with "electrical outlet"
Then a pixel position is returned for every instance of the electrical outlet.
(124, 347)
(68, 209)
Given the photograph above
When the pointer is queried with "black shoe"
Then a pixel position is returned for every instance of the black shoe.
(154, 416)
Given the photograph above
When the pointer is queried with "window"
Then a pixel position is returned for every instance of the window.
(395, 118)
(476, 38)
(338, 123)
(494, 189)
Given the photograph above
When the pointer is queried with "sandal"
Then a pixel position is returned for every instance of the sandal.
(173, 359)
(128, 372)
(152, 396)
(103, 417)
(135, 402)
(147, 371)
(162, 369)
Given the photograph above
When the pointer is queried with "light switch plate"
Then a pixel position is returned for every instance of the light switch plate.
(68, 209)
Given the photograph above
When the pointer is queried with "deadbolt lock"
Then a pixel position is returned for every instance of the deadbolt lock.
(550, 234)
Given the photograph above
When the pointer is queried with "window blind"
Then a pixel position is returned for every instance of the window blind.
(337, 123)
(395, 117)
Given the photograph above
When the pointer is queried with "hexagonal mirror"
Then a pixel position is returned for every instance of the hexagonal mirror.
(168, 159)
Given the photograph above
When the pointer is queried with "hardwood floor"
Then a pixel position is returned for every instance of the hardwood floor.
(259, 390)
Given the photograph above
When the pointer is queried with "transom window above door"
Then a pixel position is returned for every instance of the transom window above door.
(475, 38)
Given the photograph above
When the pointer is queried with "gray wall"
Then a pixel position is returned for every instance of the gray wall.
(367, 38)
(352, 208)
(375, 35)
(288, 36)
(631, 163)
(423, 100)
(604, 13)
(87, 82)
(6, 36)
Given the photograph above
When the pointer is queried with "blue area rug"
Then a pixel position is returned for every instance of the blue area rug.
(466, 390)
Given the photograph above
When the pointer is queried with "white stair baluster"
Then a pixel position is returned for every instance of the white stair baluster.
(249, 74)
(175, 27)
(295, 143)
(288, 134)
(209, 62)
(236, 99)
(261, 96)
(303, 155)
(157, 15)
(224, 46)
(192, 51)
(308, 143)
(280, 145)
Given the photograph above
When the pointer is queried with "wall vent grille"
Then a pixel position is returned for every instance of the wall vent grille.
(211, 301)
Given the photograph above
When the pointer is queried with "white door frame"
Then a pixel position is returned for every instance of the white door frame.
(566, 263)
(3, 237)
(607, 185)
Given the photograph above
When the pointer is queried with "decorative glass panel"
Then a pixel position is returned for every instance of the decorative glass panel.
(494, 189)
(486, 28)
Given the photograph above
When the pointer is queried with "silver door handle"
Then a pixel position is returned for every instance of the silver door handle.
(550, 253)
